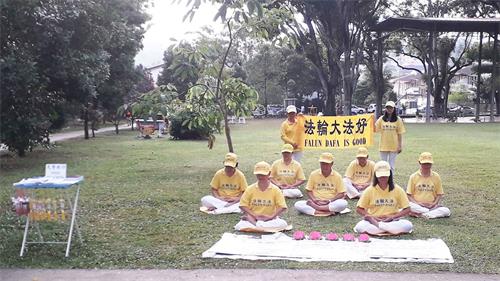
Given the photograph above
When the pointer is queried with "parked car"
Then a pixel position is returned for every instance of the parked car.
(357, 110)
(422, 111)
(274, 110)
(463, 110)
(259, 112)
(468, 111)
(371, 108)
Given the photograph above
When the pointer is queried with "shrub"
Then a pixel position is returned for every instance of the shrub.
(180, 129)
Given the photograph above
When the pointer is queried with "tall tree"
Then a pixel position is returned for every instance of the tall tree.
(330, 36)
(126, 18)
(439, 54)
(172, 60)
(66, 47)
(218, 92)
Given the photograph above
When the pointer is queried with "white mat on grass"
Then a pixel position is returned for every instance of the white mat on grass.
(281, 246)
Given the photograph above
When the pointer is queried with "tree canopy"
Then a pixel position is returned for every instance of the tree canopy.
(64, 52)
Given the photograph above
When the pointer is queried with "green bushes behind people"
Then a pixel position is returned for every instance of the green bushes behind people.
(180, 129)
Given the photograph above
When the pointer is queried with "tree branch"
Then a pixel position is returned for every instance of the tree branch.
(403, 67)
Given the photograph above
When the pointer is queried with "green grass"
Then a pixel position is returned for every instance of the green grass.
(139, 203)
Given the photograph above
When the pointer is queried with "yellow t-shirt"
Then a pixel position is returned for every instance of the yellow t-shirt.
(389, 132)
(263, 202)
(289, 134)
(359, 174)
(229, 186)
(288, 174)
(379, 202)
(424, 189)
(325, 188)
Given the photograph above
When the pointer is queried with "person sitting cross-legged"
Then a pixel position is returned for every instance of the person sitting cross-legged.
(425, 191)
(325, 190)
(383, 204)
(287, 173)
(228, 184)
(262, 202)
(359, 174)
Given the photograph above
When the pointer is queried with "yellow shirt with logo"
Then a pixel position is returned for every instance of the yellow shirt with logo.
(289, 134)
(424, 189)
(263, 202)
(325, 188)
(378, 202)
(229, 186)
(288, 174)
(359, 174)
(389, 132)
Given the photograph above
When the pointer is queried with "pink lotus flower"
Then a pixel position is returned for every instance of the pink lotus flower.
(348, 237)
(314, 235)
(364, 238)
(299, 235)
(332, 236)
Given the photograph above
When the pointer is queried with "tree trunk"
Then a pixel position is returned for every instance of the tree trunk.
(330, 108)
(497, 98)
(379, 81)
(218, 92)
(227, 130)
(86, 123)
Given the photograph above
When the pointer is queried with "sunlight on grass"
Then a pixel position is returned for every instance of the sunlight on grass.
(139, 203)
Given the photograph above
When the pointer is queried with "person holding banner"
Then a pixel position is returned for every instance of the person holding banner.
(425, 191)
(325, 189)
(383, 204)
(262, 202)
(359, 174)
(391, 128)
(228, 185)
(292, 132)
(287, 173)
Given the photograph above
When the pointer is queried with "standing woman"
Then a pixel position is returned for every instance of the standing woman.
(291, 130)
(391, 129)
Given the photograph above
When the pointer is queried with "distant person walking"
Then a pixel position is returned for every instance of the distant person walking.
(391, 129)
(290, 132)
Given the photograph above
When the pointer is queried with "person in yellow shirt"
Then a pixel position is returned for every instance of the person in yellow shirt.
(227, 185)
(262, 202)
(359, 174)
(287, 174)
(425, 190)
(289, 132)
(391, 129)
(325, 189)
(383, 204)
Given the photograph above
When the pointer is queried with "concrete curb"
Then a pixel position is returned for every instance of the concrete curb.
(228, 274)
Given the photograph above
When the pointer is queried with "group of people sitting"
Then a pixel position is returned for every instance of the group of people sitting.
(382, 203)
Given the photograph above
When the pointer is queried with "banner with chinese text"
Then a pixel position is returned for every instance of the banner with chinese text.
(323, 132)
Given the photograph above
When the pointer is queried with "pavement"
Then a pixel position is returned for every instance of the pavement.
(76, 134)
(68, 135)
(228, 274)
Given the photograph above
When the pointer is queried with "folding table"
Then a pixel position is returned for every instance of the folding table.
(59, 185)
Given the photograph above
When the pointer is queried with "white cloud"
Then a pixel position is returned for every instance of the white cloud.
(166, 23)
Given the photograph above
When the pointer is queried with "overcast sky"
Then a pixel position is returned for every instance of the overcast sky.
(166, 23)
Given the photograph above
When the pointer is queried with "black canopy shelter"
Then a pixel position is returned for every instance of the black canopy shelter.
(433, 25)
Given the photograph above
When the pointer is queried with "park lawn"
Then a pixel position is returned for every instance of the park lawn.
(139, 203)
